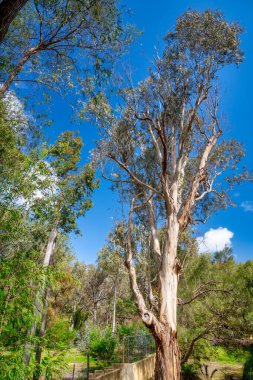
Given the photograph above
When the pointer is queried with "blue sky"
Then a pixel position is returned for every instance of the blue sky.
(155, 18)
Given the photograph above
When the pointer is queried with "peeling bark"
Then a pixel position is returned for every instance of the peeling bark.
(167, 356)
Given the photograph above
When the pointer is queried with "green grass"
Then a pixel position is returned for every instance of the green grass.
(230, 356)
(75, 356)
(76, 359)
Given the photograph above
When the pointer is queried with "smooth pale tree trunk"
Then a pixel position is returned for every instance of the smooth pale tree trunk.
(41, 298)
(72, 318)
(114, 306)
(167, 351)
(162, 325)
(50, 247)
(95, 309)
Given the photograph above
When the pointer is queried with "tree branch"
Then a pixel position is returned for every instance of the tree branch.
(134, 178)
(147, 316)
(192, 344)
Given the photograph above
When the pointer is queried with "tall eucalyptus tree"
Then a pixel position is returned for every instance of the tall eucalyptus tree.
(164, 150)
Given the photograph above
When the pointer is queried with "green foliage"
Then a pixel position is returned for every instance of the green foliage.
(52, 364)
(102, 344)
(208, 35)
(189, 371)
(230, 355)
(63, 49)
(67, 187)
(59, 336)
(12, 366)
(126, 308)
(224, 255)
(248, 367)
(131, 329)
(10, 154)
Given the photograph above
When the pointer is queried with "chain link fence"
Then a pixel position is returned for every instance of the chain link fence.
(132, 349)
(137, 347)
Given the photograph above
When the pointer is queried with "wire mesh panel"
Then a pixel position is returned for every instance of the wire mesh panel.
(137, 347)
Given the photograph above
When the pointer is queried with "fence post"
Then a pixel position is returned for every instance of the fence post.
(123, 359)
(74, 368)
(88, 366)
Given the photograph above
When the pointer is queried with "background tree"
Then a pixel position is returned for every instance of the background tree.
(69, 198)
(166, 149)
(96, 289)
(110, 259)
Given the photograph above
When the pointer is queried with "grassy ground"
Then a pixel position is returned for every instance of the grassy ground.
(75, 356)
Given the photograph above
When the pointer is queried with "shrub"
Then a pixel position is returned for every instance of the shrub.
(131, 329)
(59, 336)
(248, 367)
(188, 371)
(102, 344)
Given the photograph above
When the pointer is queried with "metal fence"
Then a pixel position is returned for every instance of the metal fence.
(137, 347)
(133, 348)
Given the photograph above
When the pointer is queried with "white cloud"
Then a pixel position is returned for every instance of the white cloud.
(247, 205)
(215, 240)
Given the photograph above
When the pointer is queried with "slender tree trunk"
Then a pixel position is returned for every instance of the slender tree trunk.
(167, 353)
(46, 261)
(95, 308)
(8, 11)
(50, 247)
(72, 318)
(114, 306)
(39, 347)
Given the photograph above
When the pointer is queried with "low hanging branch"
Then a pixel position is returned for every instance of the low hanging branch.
(201, 293)
(147, 316)
(193, 342)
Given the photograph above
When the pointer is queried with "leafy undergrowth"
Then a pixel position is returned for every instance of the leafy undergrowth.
(230, 356)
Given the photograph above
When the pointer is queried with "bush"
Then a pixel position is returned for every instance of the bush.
(59, 336)
(12, 366)
(189, 371)
(131, 329)
(102, 344)
(248, 367)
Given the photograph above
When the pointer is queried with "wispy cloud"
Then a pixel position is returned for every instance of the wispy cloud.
(215, 240)
(247, 205)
